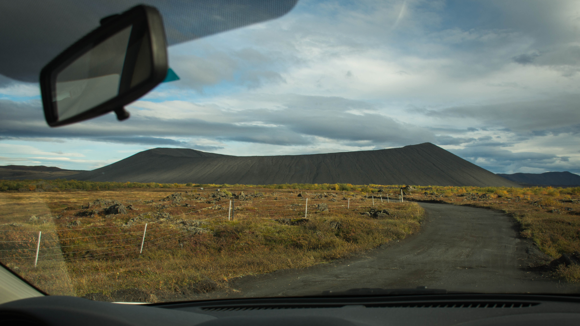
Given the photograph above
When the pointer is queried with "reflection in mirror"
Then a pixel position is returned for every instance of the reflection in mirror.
(94, 77)
(112, 66)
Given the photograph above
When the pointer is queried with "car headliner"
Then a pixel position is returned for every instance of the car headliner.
(33, 32)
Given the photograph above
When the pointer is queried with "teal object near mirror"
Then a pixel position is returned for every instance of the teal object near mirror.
(171, 76)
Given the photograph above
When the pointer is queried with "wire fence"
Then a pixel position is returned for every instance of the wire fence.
(71, 244)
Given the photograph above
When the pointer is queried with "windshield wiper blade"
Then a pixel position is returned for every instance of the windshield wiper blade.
(379, 291)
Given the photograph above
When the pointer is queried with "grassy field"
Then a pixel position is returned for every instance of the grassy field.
(90, 241)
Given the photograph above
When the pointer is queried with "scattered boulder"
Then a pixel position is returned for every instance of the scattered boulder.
(194, 226)
(33, 218)
(322, 207)
(567, 259)
(87, 213)
(571, 259)
(407, 189)
(336, 225)
(150, 217)
(175, 198)
(73, 224)
(195, 230)
(101, 203)
(132, 208)
(162, 216)
(196, 223)
(116, 209)
(299, 195)
(292, 221)
(376, 213)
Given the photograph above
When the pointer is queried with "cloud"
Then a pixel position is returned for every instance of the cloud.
(526, 58)
(548, 116)
(501, 160)
(294, 120)
(449, 140)
(154, 141)
(17, 159)
(479, 78)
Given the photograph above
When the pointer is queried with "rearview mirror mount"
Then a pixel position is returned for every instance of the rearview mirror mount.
(110, 67)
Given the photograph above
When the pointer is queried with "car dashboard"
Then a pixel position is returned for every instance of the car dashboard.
(472, 310)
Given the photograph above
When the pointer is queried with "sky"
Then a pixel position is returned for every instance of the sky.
(494, 82)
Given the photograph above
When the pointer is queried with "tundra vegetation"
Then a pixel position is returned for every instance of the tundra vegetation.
(90, 241)
(92, 233)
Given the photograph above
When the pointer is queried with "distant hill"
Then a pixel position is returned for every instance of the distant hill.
(424, 164)
(554, 179)
(21, 172)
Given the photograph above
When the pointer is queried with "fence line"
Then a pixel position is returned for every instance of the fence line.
(158, 236)
(65, 230)
(38, 248)
(154, 241)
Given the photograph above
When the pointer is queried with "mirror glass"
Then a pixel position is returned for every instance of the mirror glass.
(95, 77)
(112, 66)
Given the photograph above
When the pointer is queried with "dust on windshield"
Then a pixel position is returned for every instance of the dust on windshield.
(399, 145)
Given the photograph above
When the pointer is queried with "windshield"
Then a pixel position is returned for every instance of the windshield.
(363, 146)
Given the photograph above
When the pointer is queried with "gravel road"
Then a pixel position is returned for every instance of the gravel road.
(458, 249)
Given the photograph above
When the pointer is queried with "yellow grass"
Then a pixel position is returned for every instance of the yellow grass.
(195, 250)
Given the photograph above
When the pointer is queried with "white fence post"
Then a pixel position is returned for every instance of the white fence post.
(388, 200)
(143, 241)
(402, 196)
(306, 209)
(381, 198)
(230, 210)
(348, 203)
(37, 248)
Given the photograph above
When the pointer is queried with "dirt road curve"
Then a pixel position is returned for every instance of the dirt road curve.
(458, 249)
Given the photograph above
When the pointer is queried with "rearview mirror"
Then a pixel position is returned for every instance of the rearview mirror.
(110, 67)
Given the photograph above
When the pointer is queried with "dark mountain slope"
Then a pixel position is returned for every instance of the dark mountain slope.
(424, 164)
(22, 172)
(555, 179)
